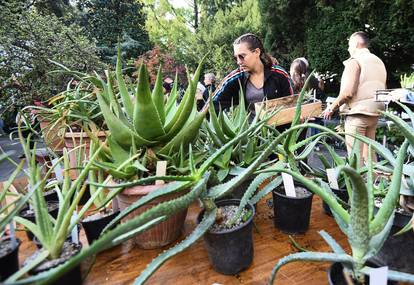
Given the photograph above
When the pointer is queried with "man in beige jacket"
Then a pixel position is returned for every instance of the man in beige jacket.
(364, 73)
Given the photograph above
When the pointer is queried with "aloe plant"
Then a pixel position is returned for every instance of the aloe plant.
(9, 210)
(223, 127)
(51, 232)
(366, 233)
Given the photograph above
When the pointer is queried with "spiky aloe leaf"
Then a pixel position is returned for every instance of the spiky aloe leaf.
(332, 243)
(358, 231)
(158, 96)
(208, 220)
(376, 242)
(162, 191)
(388, 205)
(257, 181)
(310, 256)
(267, 189)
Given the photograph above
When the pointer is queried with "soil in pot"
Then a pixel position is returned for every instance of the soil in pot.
(72, 277)
(230, 249)
(94, 224)
(336, 276)
(9, 258)
(341, 194)
(29, 214)
(292, 214)
(161, 234)
(397, 249)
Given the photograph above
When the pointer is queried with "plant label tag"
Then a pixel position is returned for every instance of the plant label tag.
(332, 174)
(57, 169)
(115, 204)
(378, 276)
(161, 171)
(74, 233)
(289, 185)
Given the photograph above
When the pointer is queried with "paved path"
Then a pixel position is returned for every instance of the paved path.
(13, 146)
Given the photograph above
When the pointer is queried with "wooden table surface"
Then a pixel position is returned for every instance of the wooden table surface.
(122, 264)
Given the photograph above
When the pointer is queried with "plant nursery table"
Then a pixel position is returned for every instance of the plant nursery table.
(122, 264)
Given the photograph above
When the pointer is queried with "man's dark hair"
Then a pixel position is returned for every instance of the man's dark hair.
(362, 38)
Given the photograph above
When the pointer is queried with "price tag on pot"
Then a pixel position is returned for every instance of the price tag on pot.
(289, 185)
(378, 276)
(161, 171)
(332, 174)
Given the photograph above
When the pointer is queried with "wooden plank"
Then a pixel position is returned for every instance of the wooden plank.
(288, 108)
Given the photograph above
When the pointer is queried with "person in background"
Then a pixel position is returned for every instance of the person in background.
(167, 84)
(364, 73)
(299, 72)
(210, 85)
(257, 76)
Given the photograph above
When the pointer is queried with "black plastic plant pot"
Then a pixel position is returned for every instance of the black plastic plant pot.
(9, 258)
(73, 277)
(230, 251)
(341, 194)
(336, 276)
(395, 251)
(51, 196)
(93, 225)
(27, 213)
(292, 214)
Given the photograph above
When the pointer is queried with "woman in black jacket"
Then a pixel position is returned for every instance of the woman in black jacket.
(257, 75)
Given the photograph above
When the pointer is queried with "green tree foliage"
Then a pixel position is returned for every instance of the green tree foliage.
(217, 33)
(28, 40)
(106, 21)
(319, 30)
(172, 29)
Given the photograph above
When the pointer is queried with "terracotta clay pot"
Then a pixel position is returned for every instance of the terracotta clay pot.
(161, 234)
(52, 134)
(74, 139)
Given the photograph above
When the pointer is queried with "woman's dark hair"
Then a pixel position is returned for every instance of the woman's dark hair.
(298, 74)
(254, 42)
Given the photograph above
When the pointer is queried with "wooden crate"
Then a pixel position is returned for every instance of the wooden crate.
(287, 112)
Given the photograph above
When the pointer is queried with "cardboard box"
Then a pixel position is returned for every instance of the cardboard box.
(288, 107)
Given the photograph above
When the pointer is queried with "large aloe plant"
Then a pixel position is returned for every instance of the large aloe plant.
(148, 122)
(366, 233)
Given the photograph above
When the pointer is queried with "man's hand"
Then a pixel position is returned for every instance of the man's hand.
(327, 114)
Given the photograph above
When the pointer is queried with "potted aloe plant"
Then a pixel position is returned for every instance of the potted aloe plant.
(292, 212)
(52, 233)
(366, 232)
(401, 239)
(196, 182)
(223, 127)
(143, 130)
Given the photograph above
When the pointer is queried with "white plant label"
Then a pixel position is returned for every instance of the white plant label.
(332, 178)
(378, 276)
(289, 185)
(57, 170)
(161, 171)
(74, 233)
